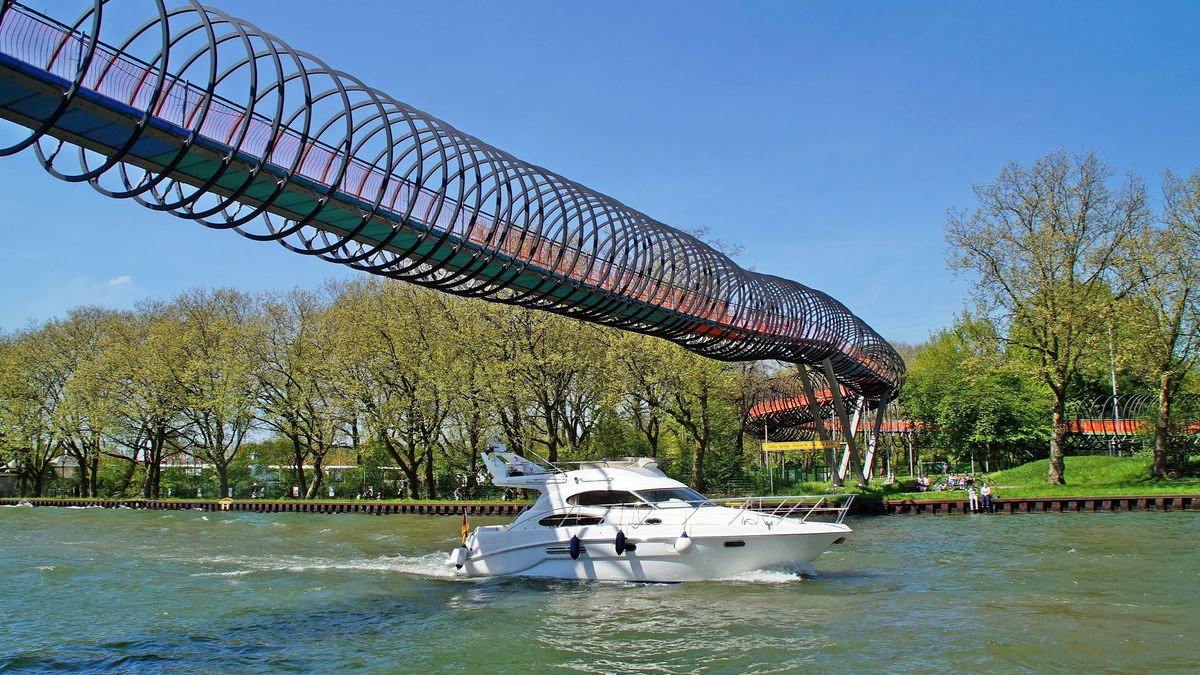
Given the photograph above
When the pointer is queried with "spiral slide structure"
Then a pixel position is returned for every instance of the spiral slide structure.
(803, 406)
(200, 114)
(1110, 422)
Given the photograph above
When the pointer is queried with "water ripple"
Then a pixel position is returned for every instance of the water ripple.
(143, 591)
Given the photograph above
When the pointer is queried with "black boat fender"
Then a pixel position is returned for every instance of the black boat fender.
(574, 548)
(620, 542)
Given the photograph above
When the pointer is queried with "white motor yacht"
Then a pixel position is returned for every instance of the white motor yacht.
(626, 520)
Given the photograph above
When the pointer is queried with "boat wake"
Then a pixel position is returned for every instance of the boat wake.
(788, 575)
(430, 565)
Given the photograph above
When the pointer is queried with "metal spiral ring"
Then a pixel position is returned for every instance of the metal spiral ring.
(311, 157)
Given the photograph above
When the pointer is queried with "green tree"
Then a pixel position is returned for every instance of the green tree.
(141, 357)
(1163, 268)
(216, 372)
(30, 390)
(86, 412)
(549, 378)
(1043, 242)
(391, 342)
(642, 369)
(747, 386)
(298, 398)
(974, 403)
(472, 420)
(698, 390)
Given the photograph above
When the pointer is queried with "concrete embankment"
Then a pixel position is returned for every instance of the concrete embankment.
(269, 506)
(933, 507)
(940, 507)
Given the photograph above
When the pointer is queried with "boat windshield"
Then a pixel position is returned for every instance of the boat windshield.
(679, 496)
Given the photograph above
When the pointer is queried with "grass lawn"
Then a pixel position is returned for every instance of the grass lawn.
(1090, 476)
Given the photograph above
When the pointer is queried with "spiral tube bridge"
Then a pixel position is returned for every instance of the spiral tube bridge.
(203, 115)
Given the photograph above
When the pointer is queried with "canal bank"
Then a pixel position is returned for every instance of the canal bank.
(916, 507)
(941, 507)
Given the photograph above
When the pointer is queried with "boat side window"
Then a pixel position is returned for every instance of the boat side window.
(679, 496)
(606, 498)
(569, 520)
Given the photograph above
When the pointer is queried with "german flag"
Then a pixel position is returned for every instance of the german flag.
(465, 529)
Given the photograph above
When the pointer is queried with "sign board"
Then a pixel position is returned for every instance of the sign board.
(798, 445)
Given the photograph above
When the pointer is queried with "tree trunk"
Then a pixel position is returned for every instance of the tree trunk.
(511, 422)
(127, 479)
(1162, 425)
(314, 488)
(82, 468)
(430, 486)
(148, 480)
(649, 426)
(153, 463)
(154, 468)
(473, 440)
(698, 466)
(414, 483)
(39, 480)
(740, 443)
(298, 455)
(408, 466)
(222, 479)
(154, 478)
(1055, 476)
(702, 448)
(94, 475)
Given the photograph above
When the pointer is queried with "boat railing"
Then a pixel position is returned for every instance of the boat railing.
(828, 507)
(548, 466)
(825, 508)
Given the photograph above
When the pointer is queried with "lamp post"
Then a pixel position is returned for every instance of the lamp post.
(1112, 369)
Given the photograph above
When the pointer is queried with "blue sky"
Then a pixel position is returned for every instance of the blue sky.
(827, 139)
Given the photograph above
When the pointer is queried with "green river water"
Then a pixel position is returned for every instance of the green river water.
(150, 591)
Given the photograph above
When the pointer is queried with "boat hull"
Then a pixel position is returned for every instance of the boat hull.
(716, 554)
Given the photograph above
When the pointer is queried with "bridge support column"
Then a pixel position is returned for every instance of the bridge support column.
(814, 409)
(855, 421)
(873, 439)
(840, 407)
